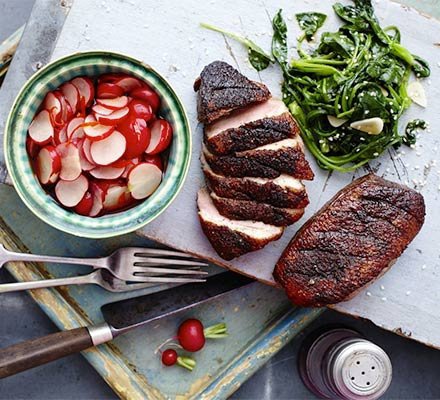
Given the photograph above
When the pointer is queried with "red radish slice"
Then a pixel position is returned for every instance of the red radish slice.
(114, 118)
(70, 193)
(98, 199)
(86, 164)
(71, 93)
(66, 110)
(141, 109)
(54, 178)
(85, 205)
(131, 164)
(161, 135)
(41, 129)
(97, 131)
(107, 172)
(86, 150)
(74, 128)
(143, 180)
(137, 134)
(108, 91)
(101, 110)
(155, 160)
(115, 197)
(48, 164)
(61, 135)
(52, 104)
(32, 148)
(108, 150)
(114, 104)
(148, 95)
(89, 118)
(128, 83)
(70, 161)
(85, 89)
(111, 77)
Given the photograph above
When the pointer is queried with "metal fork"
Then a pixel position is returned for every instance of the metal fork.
(98, 277)
(133, 264)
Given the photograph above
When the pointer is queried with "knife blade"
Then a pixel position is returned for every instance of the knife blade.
(120, 317)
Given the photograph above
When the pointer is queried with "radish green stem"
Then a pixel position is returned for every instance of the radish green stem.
(186, 362)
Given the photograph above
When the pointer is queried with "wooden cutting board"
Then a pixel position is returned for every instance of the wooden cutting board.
(167, 36)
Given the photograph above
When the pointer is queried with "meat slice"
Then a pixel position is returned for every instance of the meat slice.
(222, 89)
(284, 191)
(252, 210)
(250, 128)
(232, 238)
(269, 161)
(351, 241)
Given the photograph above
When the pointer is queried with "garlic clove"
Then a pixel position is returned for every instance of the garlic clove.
(416, 92)
(336, 122)
(372, 126)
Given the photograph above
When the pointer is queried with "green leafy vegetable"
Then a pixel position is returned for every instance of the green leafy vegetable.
(279, 39)
(411, 129)
(310, 22)
(359, 72)
(258, 58)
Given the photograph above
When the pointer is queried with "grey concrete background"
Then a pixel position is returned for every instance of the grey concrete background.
(416, 367)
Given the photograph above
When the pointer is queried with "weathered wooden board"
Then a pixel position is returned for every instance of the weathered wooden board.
(168, 37)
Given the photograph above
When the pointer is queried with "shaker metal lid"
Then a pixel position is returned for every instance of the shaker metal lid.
(361, 370)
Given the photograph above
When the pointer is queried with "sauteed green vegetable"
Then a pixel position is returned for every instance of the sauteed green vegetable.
(348, 93)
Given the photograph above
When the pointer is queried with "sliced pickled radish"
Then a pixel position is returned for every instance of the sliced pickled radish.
(86, 150)
(85, 89)
(32, 147)
(101, 110)
(41, 129)
(98, 199)
(114, 104)
(130, 165)
(48, 164)
(74, 128)
(54, 178)
(155, 160)
(116, 197)
(161, 135)
(86, 164)
(107, 172)
(66, 110)
(143, 180)
(108, 90)
(85, 205)
(61, 135)
(52, 104)
(128, 83)
(70, 193)
(114, 118)
(108, 150)
(71, 93)
(97, 131)
(70, 161)
(148, 95)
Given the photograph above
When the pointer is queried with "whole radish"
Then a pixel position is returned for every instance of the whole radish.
(170, 357)
(192, 335)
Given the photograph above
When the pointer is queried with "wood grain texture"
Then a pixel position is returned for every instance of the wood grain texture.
(32, 353)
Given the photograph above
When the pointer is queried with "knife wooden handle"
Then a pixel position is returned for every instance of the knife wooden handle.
(35, 352)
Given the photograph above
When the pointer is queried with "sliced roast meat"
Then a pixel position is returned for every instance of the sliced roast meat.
(252, 210)
(250, 128)
(351, 241)
(284, 191)
(233, 238)
(222, 89)
(269, 161)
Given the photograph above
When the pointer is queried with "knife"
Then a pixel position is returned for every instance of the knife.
(120, 317)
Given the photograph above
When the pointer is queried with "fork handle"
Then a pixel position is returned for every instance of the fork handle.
(46, 283)
(13, 256)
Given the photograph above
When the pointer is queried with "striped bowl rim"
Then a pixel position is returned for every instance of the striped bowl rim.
(26, 104)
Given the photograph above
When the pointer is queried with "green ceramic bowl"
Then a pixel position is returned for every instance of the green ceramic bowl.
(43, 205)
